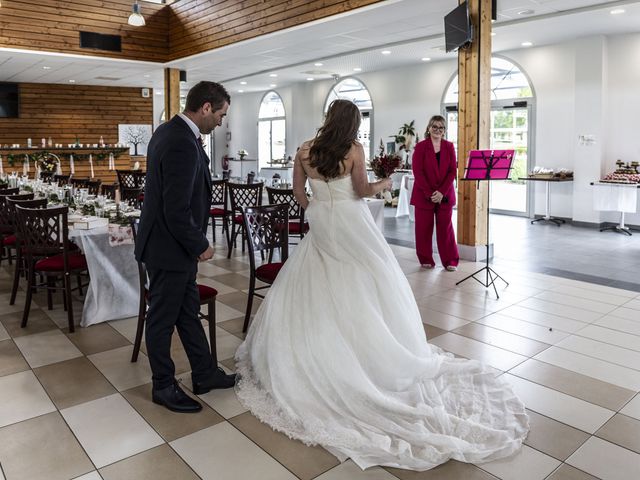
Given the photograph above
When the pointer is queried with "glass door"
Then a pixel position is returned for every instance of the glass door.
(510, 131)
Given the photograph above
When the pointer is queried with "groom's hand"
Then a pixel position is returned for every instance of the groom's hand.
(206, 255)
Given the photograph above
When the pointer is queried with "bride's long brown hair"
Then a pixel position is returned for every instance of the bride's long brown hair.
(335, 138)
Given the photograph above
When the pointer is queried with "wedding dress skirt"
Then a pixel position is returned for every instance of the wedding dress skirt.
(336, 356)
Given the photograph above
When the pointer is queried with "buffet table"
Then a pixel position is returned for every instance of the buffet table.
(616, 197)
(547, 180)
(286, 174)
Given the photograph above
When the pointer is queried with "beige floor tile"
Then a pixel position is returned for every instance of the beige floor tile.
(441, 320)
(456, 309)
(117, 367)
(159, 463)
(628, 313)
(73, 382)
(501, 339)
(473, 299)
(211, 270)
(22, 397)
(556, 439)
(225, 401)
(452, 470)
(575, 384)
(555, 322)
(90, 476)
(38, 323)
(109, 429)
(633, 304)
(605, 460)
(623, 431)
(527, 464)
(573, 313)
(620, 324)
(96, 338)
(432, 332)
(223, 453)
(33, 450)
(567, 472)
(559, 406)
(592, 367)
(4, 335)
(524, 329)
(225, 312)
(233, 280)
(603, 351)
(127, 327)
(469, 348)
(350, 471)
(11, 360)
(178, 353)
(612, 337)
(233, 326)
(581, 303)
(632, 409)
(220, 287)
(46, 348)
(304, 462)
(226, 343)
(229, 364)
(590, 294)
(169, 425)
(238, 301)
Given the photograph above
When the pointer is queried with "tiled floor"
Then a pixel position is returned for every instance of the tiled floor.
(72, 406)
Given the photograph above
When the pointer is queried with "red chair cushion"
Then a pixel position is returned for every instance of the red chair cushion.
(141, 197)
(238, 219)
(268, 272)
(10, 240)
(294, 228)
(77, 261)
(206, 293)
(217, 212)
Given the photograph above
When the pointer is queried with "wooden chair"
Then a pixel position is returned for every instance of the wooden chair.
(44, 236)
(131, 184)
(62, 180)
(79, 182)
(207, 297)
(7, 229)
(297, 225)
(267, 229)
(109, 190)
(219, 206)
(241, 195)
(46, 176)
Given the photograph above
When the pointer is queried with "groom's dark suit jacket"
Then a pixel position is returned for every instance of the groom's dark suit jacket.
(177, 199)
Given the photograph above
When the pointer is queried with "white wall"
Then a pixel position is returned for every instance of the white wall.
(583, 86)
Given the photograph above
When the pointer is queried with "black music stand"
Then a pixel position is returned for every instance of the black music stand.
(487, 165)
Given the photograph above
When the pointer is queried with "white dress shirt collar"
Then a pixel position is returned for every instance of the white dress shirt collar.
(194, 128)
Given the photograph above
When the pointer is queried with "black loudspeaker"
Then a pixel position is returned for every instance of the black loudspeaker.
(494, 10)
(183, 75)
(100, 41)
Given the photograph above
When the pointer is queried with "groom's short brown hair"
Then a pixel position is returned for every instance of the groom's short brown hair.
(204, 92)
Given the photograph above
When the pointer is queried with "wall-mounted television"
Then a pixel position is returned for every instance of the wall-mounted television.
(9, 100)
(458, 30)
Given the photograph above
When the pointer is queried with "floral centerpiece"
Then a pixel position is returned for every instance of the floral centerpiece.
(47, 161)
(242, 153)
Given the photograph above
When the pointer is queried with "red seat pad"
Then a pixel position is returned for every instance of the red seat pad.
(268, 272)
(77, 261)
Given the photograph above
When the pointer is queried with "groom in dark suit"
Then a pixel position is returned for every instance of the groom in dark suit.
(172, 240)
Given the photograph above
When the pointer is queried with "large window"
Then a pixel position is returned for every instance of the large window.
(354, 90)
(511, 114)
(271, 131)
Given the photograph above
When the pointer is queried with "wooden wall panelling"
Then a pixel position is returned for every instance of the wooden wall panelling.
(64, 111)
(200, 25)
(54, 25)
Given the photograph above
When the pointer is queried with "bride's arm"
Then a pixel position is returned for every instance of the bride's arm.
(359, 178)
(299, 181)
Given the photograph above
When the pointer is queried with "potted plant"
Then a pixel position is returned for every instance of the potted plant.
(404, 138)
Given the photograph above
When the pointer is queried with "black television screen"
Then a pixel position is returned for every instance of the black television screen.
(457, 27)
(9, 100)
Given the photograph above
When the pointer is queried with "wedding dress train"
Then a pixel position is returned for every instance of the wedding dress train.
(336, 356)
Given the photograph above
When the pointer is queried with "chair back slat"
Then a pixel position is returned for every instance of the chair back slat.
(131, 179)
(7, 212)
(109, 190)
(219, 193)
(62, 180)
(46, 176)
(43, 231)
(244, 195)
(267, 228)
(285, 195)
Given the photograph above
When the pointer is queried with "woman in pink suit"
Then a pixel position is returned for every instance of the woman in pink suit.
(434, 169)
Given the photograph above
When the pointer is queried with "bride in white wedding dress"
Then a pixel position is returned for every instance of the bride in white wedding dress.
(336, 354)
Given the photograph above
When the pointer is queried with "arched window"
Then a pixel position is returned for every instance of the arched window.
(354, 90)
(271, 130)
(511, 128)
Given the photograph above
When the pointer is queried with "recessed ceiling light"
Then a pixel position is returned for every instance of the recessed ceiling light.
(46, 68)
(158, 92)
(243, 83)
(240, 91)
(617, 11)
(72, 81)
(147, 76)
(425, 59)
(357, 69)
(386, 52)
(309, 79)
(526, 12)
(273, 75)
(273, 85)
(526, 44)
(318, 64)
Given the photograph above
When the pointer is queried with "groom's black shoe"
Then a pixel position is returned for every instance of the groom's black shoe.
(174, 398)
(219, 379)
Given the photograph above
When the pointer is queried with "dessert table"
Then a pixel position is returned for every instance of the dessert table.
(616, 197)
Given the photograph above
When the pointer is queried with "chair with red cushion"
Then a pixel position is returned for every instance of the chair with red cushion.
(267, 229)
(44, 238)
(219, 206)
(297, 224)
(7, 229)
(207, 297)
(241, 195)
(131, 184)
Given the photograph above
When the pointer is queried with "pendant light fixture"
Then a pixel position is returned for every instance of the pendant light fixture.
(136, 19)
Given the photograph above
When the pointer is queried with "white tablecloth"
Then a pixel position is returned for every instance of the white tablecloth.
(113, 290)
(406, 188)
(376, 206)
(616, 197)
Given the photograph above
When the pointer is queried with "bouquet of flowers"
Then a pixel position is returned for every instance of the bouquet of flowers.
(47, 162)
(385, 164)
(242, 153)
